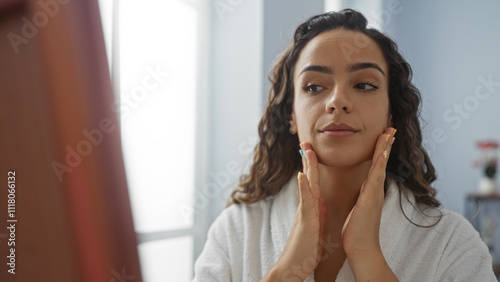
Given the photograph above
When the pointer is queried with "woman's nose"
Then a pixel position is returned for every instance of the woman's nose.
(338, 100)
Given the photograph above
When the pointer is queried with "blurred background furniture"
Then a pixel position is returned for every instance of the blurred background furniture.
(483, 211)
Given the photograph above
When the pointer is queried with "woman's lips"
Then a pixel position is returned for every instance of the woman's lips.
(338, 133)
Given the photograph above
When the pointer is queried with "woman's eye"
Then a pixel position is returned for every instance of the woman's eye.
(366, 86)
(313, 88)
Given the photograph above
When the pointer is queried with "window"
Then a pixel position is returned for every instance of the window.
(153, 50)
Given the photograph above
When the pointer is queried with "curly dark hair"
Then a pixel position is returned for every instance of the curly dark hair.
(273, 163)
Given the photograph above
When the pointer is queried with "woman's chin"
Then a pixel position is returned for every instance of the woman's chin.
(341, 159)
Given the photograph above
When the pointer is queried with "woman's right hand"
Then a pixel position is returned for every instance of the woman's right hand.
(303, 250)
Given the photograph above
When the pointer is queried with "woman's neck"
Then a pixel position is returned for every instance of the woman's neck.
(340, 187)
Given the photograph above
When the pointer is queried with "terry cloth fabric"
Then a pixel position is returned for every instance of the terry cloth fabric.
(245, 241)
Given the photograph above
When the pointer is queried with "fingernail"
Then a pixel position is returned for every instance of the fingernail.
(301, 154)
(387, 138)
(299, 176)
(305, 154)
(393, 139)
(394, 132)
(302, 145)
(385, 154)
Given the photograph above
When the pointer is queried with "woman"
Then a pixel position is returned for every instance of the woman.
(362, 206)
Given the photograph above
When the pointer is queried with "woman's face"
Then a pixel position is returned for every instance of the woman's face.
(341, 80)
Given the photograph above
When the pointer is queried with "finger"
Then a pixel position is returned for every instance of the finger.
(306, 198)
(390, 142)
(346, 222)
(382, 141)
(304, 159)
(305, 146)
(380, 164)
(373, 187)
(377, 173)
(308, 208)
(383, 146)
(312, 170)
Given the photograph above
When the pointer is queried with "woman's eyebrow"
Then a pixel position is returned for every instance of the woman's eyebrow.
(350, 68)
(317, 68)
(365, 65)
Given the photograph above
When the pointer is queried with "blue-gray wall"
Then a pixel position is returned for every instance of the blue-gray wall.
(453, 47)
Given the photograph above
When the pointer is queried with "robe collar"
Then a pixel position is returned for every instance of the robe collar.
(392, 224)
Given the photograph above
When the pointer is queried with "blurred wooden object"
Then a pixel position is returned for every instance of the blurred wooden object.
(59, 134)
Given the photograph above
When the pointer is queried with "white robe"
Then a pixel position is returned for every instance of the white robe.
(245, 241)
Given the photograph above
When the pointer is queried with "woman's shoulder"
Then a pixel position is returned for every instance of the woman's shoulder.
(422, 215)
(447, 231)
(455, 220)
(443, 220)
(462, 253)
(459, 229)
(446, 240)
(287, 197)
(438, 226)
(447, 221)
(241, 211)
(241, 216)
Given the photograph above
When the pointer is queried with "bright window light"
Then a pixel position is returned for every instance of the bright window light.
(158, 82)
(157, 66)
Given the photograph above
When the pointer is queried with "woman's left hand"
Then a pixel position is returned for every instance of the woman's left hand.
(360, 233)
